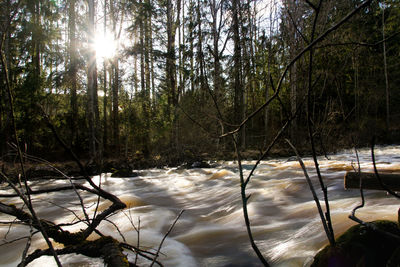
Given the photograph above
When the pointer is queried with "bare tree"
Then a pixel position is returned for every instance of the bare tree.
(314, 40)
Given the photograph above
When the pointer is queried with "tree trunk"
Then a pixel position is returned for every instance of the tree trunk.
(237, 71)
(105, 98)
(115, 105)
(73, 70)
(181, 35)
(191, 44)
(385, 70)
(145, 81)
(267, 74)
(115, 87)
(370, 181)
(171, 67)
(92, 109)
(293, 14)
(200, 55)
(272, 20)
(135, 66)
(153, 84)
(217, 79)
(5, 112)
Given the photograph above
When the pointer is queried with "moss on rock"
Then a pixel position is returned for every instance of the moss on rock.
(361, 246)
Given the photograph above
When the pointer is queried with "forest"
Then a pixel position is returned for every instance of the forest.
(167, 79)
(155, 83)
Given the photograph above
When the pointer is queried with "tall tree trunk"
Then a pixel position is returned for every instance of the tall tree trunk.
(237, 71)
(7, 50)
(200, 55)
(171, 66)
(115, 86)
(291, 8)
(216, 36)
(267, 74)
(153, 84)
(181, 36)
(73, 70)
(356, 89)
(387, 93)
(36, 85)
(36, 41)
(5, 112)
(105, 97)
(191, 44)
(145, 79)
(115, 105)
(92, 108)
(135, 64)
(217, 79)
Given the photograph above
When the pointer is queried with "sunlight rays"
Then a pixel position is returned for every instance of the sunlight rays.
(105, 46)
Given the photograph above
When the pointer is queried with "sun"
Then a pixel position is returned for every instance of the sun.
(105, 46)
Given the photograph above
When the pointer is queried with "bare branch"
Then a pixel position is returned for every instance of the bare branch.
(314, 194)
(273, 142)
(140, 252)
(301, 53)
(327, 217)
(295, 26)
(311, 5)
(33, 219)
(28, 242)
(360, 43)
(361, 188)
(243, 185)
(107, 247)
(377, 174)
(165, 236)
(373, 227)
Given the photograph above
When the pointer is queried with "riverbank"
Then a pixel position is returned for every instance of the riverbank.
(38, 168)
(62, 166)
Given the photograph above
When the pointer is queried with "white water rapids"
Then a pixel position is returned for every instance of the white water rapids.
(211, 231)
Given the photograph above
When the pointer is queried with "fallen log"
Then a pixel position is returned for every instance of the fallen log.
(370, 181)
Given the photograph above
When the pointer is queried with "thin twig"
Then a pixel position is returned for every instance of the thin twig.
(359, 43)
(33, 217)
(384, 186)
(321, 213)
(28, 242)
(353, 213)
(327, 217)
(117, 228)
(165, 236)
(17, 239)
(373, 227)
(142, 253)
(273, 142)
(245, 199)
(138, 239)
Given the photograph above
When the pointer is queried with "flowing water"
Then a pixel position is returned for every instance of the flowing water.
(211, 231)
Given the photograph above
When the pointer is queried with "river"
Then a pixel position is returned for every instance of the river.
(211, 231)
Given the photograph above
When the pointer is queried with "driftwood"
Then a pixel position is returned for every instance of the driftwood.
(370, 181)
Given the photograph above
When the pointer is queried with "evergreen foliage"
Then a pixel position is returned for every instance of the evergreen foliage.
(187, 71)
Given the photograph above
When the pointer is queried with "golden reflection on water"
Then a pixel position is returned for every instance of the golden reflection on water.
(220, 174)
(283, 215)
